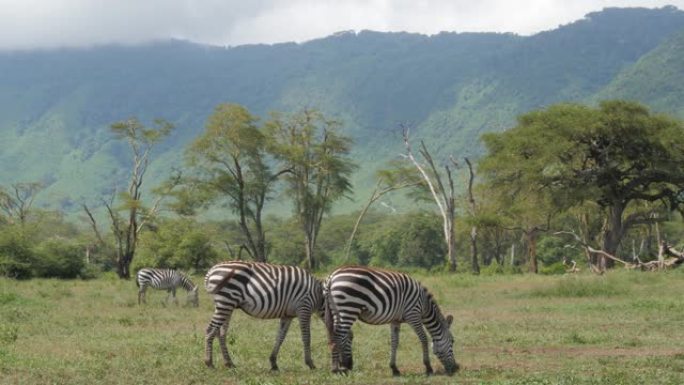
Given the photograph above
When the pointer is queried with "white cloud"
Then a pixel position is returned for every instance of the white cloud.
(57, 23)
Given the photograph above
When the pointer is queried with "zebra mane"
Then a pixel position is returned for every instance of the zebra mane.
(433, 310)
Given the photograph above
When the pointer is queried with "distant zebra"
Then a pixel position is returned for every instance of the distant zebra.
(383, 297)
(165, 279)
(264, 291)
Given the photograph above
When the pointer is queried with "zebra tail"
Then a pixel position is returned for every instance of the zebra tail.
(222, 282)
(329, 316)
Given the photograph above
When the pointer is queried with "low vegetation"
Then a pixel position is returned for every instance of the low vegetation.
(621, 328)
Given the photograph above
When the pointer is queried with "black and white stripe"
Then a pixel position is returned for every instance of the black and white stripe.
(265, 291)
(165, 279)
(379, 297)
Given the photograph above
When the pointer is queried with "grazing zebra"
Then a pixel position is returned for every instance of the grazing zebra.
(383, 297)
(264, 291)
(165, 279)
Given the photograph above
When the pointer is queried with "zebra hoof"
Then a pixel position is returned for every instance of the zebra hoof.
(275, 369)
(396, 372)
(228, 365)
(209, 364)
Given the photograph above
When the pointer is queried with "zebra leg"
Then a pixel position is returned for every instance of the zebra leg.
(417, 326)
(141, 294)
(305, 325)
(227, 362)
(168, 296)
(282, 332)
(343, 360)
(217, 326)
(394, 345)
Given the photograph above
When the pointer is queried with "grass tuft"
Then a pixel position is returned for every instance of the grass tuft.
(582, 286)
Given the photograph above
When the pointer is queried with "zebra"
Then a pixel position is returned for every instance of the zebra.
(379, 297)
(263, 291)
(165, 279)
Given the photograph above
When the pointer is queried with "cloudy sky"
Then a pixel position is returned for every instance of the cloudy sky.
(59, 23)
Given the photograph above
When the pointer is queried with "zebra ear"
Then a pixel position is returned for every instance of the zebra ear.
(449, 319)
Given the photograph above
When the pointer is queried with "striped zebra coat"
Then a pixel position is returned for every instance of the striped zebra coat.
(378, 297)
(264, 291)
(165, 279)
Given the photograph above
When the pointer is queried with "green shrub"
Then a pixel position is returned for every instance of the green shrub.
(90, 271)
(16, 257)
(59, 258)
(495, 269)
(176, 244)
(553, 269)
(552, 249)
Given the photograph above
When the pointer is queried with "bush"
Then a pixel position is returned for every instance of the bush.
(552, 269)
(59, 258)
(177, 244)
(90, 271)
(552, 249)
(16, 257)
(409, 240)
(495, 269)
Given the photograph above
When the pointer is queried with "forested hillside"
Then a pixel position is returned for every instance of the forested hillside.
(56, 105)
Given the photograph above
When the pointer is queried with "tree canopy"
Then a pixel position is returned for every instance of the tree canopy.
(617, 155)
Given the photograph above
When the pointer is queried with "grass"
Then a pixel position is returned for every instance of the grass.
(623, 328)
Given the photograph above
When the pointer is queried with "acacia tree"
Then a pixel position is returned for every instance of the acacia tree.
(615, 155)
(126, 227)
(316, 155)
(228, 161)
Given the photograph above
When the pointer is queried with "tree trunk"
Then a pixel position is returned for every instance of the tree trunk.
(612, 235)
(531, 239)
(451, 249)
(473, 250)
(512, 254)
(310, 257)
(123, 265)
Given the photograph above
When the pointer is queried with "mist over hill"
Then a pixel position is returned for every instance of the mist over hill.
(56, 105)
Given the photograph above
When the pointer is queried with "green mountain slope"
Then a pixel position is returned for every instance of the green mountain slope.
(56, 105)
(657, 79)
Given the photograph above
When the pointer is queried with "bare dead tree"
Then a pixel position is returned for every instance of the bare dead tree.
(237, 255)
(382, 187)
(93, 224)
(570, 267)
(16, 202)
(473, 211)
(126, 229)
(443, 197)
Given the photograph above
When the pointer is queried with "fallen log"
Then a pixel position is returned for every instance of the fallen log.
(661, 263)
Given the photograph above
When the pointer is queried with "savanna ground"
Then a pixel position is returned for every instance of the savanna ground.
(623, 328)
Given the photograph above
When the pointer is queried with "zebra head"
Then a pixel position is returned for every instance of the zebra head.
(443, 346)
(193, 297)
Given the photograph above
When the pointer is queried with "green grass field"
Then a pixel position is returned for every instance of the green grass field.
(623, 328)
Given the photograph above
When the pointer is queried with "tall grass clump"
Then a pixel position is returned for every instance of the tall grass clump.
(583, 286)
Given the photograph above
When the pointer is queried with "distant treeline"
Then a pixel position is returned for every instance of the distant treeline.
(566, 180)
